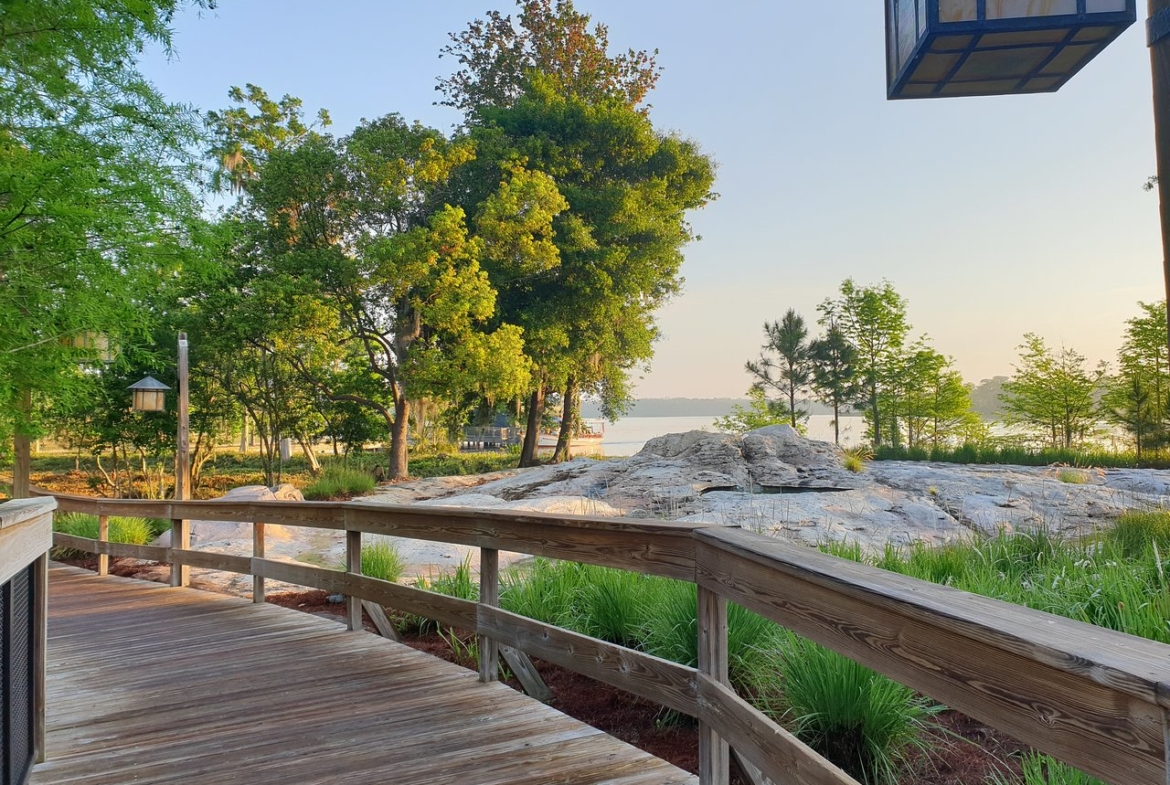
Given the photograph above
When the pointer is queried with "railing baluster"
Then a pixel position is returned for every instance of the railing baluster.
(714, 755)
(353, 564)
(257, 553)
(489, 594)
(103, 536)
(180, 539)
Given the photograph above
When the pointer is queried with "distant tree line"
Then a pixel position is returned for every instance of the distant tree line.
(912, 397)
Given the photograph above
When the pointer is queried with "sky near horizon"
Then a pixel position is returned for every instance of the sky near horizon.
(993, 217)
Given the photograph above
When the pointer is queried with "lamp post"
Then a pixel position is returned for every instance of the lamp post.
(149, 396)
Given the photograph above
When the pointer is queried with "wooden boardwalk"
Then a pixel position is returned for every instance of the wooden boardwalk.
(148, 684)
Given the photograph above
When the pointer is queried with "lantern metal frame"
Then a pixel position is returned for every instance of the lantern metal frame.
(1012, 35)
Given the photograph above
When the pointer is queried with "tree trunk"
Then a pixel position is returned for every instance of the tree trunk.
(877, 422)
(792, 406)
(836, 424)
(532, 431)
(310, 456)
(568, 421)
(22, 444)
(399, 455)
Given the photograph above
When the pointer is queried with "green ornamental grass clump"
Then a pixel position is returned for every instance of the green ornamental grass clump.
(1037, 769)
(382, 560)
(338, 480)
(860, 720)
(131, 531)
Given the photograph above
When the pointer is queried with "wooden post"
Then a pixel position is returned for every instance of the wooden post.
(714, 754)
(1166, 745)
(353, 564)
(489, 594)
(181, 529)
(1160, 73)
(103, 536)
(257, 553)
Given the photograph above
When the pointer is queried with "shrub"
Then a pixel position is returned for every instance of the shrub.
(1073, 476)
(131, 531)
(382, 560)
(1037, 769)
(339, 480)
(860, 720)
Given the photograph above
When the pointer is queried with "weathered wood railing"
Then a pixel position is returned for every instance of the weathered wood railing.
(26, 535)
(1092, 697)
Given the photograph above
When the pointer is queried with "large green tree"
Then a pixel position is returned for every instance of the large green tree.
(1052, 393)
(1138, 397)
(543, 90)
(935, 402)
(361, 224)
(93, 196)
(834, 372)
(873, 319)
(785, 363)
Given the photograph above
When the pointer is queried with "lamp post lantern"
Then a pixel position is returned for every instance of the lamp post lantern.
(951, 48)
(149, 396)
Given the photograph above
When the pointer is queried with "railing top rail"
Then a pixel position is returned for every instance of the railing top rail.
(1130, 664)
(20, 510)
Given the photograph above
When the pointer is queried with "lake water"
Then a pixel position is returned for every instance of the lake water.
(628, 435)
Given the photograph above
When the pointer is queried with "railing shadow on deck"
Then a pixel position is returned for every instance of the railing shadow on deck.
(1094, 698)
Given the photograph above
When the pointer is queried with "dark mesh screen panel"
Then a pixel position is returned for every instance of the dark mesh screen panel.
(17, 615)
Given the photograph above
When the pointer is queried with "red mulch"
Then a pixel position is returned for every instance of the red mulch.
(965, 753)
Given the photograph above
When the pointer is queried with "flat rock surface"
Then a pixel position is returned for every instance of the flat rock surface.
(771, 481)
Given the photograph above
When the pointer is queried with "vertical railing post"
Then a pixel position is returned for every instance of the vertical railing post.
(353, 564)
(489, 594)
(103, 536)
(714, 755)
(40, 653)
(257, 553)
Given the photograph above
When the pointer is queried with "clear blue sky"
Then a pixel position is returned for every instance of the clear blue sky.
(992, 216)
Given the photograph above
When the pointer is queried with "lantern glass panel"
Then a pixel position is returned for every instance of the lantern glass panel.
(1022, 9)
(958, 11)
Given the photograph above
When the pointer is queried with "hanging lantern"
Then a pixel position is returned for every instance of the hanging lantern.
(944, 48)
(149, 395)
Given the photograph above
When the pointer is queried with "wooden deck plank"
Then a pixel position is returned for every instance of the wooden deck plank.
(153, 684)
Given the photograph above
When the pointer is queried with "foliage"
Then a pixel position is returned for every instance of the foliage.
(1072, 476)
(935, 403)
(1137, 533)
(1138, 397)
(382, 560)
(672, 631)
(854, 458)
(759, 413)
(1038, 769)
(873, 319)
(860, 720)
(131, 531)
(453, 464)
(1052, 393)
(94, 203)
(497, 55)
(357, 230)
(785, 363)
(1023, 456)
(587, 312)
(834, 371)
(338, 480)
(460, 582)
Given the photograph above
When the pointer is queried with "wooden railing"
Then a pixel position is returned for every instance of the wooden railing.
(1094, 698)
(26, 535)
